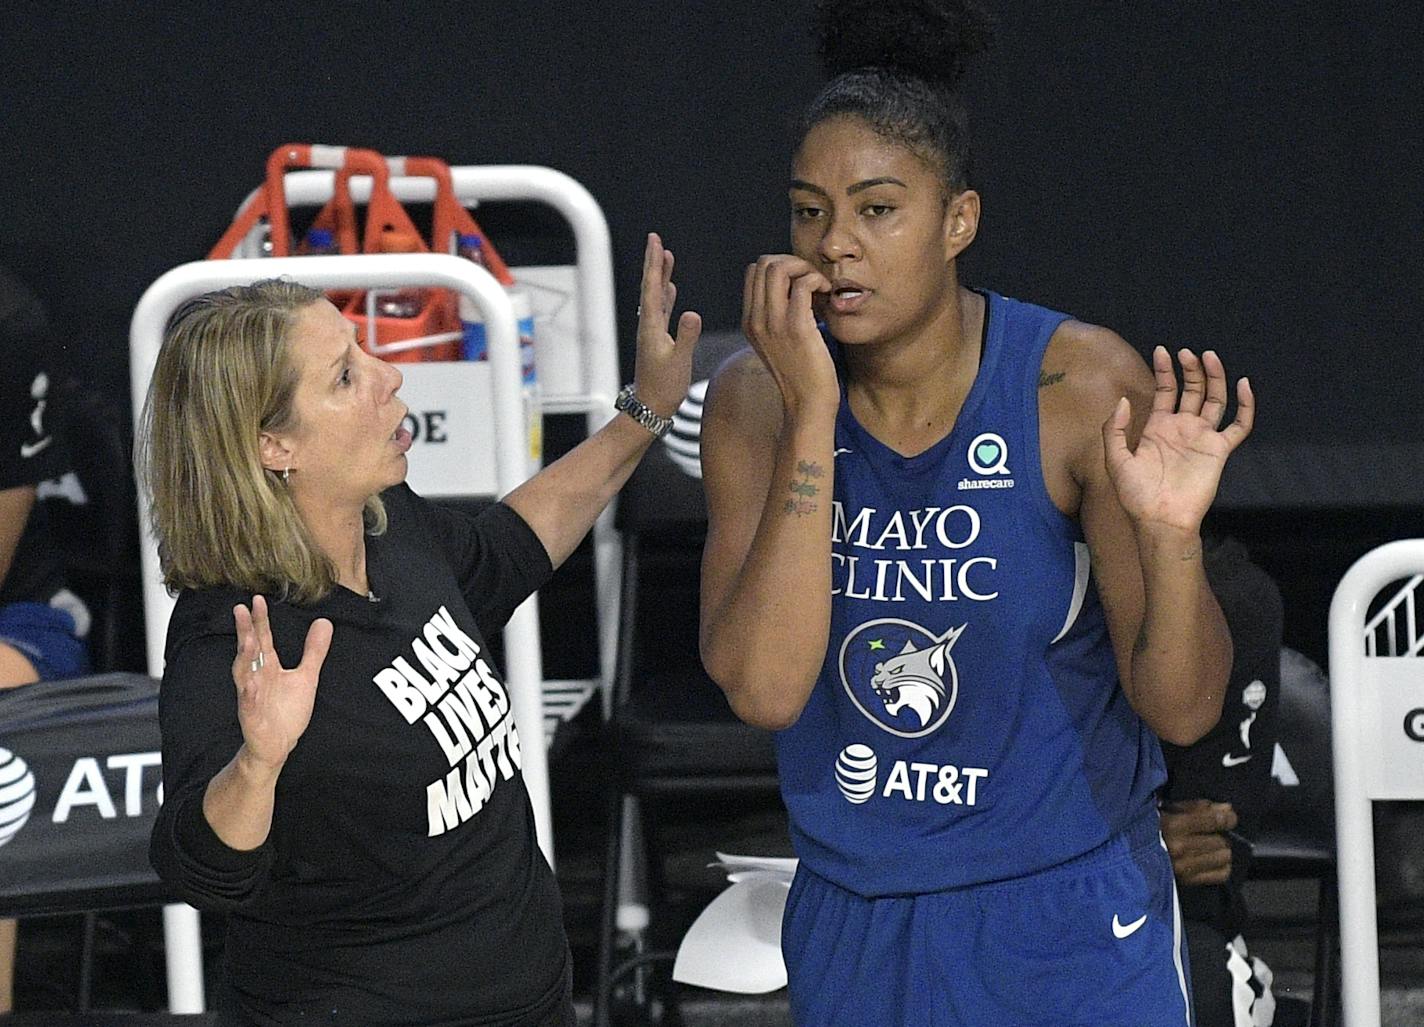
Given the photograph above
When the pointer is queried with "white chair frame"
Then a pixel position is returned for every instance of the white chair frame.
(1377, 714)
(594, 383)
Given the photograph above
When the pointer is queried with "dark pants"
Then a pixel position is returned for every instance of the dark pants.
(1221, 999)
(559, 1014)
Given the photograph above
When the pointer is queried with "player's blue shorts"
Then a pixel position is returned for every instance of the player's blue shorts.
(44, 635)
(1094, 942)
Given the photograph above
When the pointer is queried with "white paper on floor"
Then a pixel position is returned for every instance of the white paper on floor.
(735, 943)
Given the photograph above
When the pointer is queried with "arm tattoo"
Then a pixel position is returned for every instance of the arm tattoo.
(1046, 378)
(1141, 644)
(802, 492)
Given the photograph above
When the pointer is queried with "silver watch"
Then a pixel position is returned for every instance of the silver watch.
(630, 404)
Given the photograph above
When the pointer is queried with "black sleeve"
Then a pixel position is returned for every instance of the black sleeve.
(498, 560)
(29, 448)
(1232, 763)
(197, 711)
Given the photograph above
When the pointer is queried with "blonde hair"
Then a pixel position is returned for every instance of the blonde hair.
(223, 377)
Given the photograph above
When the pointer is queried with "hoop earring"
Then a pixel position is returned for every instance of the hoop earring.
(286, 475)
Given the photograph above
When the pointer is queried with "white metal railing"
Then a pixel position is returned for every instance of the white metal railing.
(1377, 734)
(1388, 621)
(587, 387)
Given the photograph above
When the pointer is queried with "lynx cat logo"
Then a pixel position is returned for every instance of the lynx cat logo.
(900, 675)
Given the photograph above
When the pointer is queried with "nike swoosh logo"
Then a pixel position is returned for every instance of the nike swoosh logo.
(29, 449)
(838, 453)
(1228, 760)
(1121, 930)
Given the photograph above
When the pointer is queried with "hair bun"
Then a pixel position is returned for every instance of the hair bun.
(931, 39)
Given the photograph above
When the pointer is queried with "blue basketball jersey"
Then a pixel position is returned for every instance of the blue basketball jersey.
(968, 724)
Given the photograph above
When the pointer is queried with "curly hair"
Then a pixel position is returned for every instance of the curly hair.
(897, 64)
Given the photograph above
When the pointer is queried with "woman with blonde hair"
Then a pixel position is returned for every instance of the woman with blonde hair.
(339, 758)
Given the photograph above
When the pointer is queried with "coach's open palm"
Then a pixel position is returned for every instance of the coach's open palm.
(274, 705)
(663, 369)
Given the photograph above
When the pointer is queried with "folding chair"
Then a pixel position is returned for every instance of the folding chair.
(86, 864)
(1377, 713)
(79, 790)
(670, 730)
(1296, 839)
(90, 517)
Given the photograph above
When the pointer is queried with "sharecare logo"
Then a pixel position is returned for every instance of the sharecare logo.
(17, 794)
(855, 772)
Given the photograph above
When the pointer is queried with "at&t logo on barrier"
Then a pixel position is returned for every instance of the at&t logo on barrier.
(17, 794)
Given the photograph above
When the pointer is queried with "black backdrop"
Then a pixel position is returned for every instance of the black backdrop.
(1243, 176)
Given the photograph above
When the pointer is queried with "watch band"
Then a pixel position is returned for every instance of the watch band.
(629, 403)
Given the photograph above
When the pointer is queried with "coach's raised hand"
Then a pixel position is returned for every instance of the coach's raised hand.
(274, 706)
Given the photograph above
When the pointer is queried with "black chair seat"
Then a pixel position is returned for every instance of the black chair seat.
(1289, 856)
(1296, 839)
(671, 732)
(108, 1018)
(135, 895)
(686, 731)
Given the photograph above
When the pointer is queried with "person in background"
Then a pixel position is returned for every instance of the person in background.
(1217, 791)
(340, 762)
(41, 622)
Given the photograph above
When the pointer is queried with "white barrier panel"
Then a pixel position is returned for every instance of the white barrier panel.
(449, 421)
(1377, 733)
(1392, 718)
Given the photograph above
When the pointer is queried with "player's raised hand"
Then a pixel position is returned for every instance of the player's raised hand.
(1171, 478)
(778, 321)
